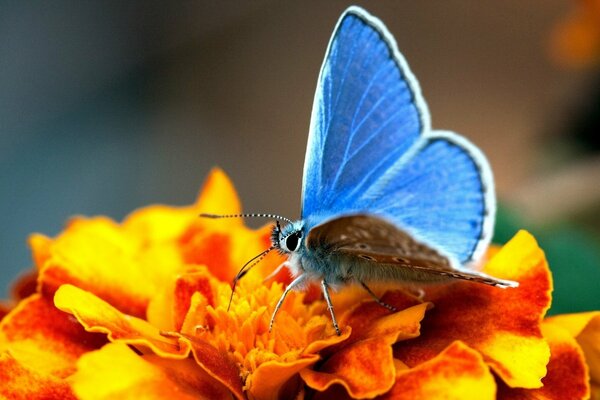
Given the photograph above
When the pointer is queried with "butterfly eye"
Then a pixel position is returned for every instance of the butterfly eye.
(292, 241)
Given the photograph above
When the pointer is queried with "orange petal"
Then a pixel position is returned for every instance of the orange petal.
(23, 383)
(567, 376)
(585, 328)
(44, 339)
(273, 379)
(115, 371)
(364, 369)
(458, 372)
(269, 380)
(369, 319)
(503, 324)
(218, 366)
(97, 315)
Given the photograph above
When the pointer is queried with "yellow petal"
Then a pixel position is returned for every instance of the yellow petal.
(458, 372)
(98, 316)
(116, 372)
(567, 376)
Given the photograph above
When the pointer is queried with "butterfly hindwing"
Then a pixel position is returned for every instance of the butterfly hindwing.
(379, 251)
(371, 149)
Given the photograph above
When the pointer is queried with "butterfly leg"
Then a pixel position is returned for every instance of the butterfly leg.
(294, 283)
(377, 299)
(325, 287)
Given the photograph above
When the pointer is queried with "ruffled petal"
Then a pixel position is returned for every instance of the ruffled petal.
(44, 339)
(503, 324)
(116, 372)
(585, 328)
(97, 315)
(269, 380)
(567, 376)
(458, 372)
(364, 365)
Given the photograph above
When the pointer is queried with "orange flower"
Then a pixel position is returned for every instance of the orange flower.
(139, 309)
(575, 41)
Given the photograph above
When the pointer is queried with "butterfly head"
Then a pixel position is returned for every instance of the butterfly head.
(288, 239)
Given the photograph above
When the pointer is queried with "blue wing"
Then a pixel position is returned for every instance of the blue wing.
(371, 150)
(368, 111)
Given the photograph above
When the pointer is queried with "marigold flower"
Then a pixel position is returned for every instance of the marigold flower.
(139, 309)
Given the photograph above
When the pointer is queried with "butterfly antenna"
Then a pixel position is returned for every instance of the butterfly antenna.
(248, 215)
(245, 269)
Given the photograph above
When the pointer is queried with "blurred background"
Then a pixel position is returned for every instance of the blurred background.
(109, 106)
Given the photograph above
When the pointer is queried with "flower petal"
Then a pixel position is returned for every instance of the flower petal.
(567, 376)
(503, 324)
(585, 328)
(268, 382)
(44, 339)
(99, 256)
(217, 365)
(115, 371)
(98, 316)
(19, 382)
(364, 365)
(458, 372)
(364, 369)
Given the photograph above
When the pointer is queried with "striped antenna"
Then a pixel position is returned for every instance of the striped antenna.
(251, 215)
(245, 269)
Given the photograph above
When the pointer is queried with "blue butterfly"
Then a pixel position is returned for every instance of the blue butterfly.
(384, 197)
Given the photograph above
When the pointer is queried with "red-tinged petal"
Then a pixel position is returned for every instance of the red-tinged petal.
(25, 285)
(567, 376)
(20, 383)
(364, 369)
(585, 328)
(218, 366)
(98, 316)
(458, 372)
(369, 319)
(503, 324)
(364, 364)
(116, 372)
(44, 339)
(198, 280)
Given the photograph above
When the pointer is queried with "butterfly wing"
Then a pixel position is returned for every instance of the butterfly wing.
(367, 110)
(379, 251)
(371, 150)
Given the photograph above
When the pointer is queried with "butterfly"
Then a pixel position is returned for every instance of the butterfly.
(384, 197)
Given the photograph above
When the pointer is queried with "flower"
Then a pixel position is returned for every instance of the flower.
(575, 41)
(140, 309)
